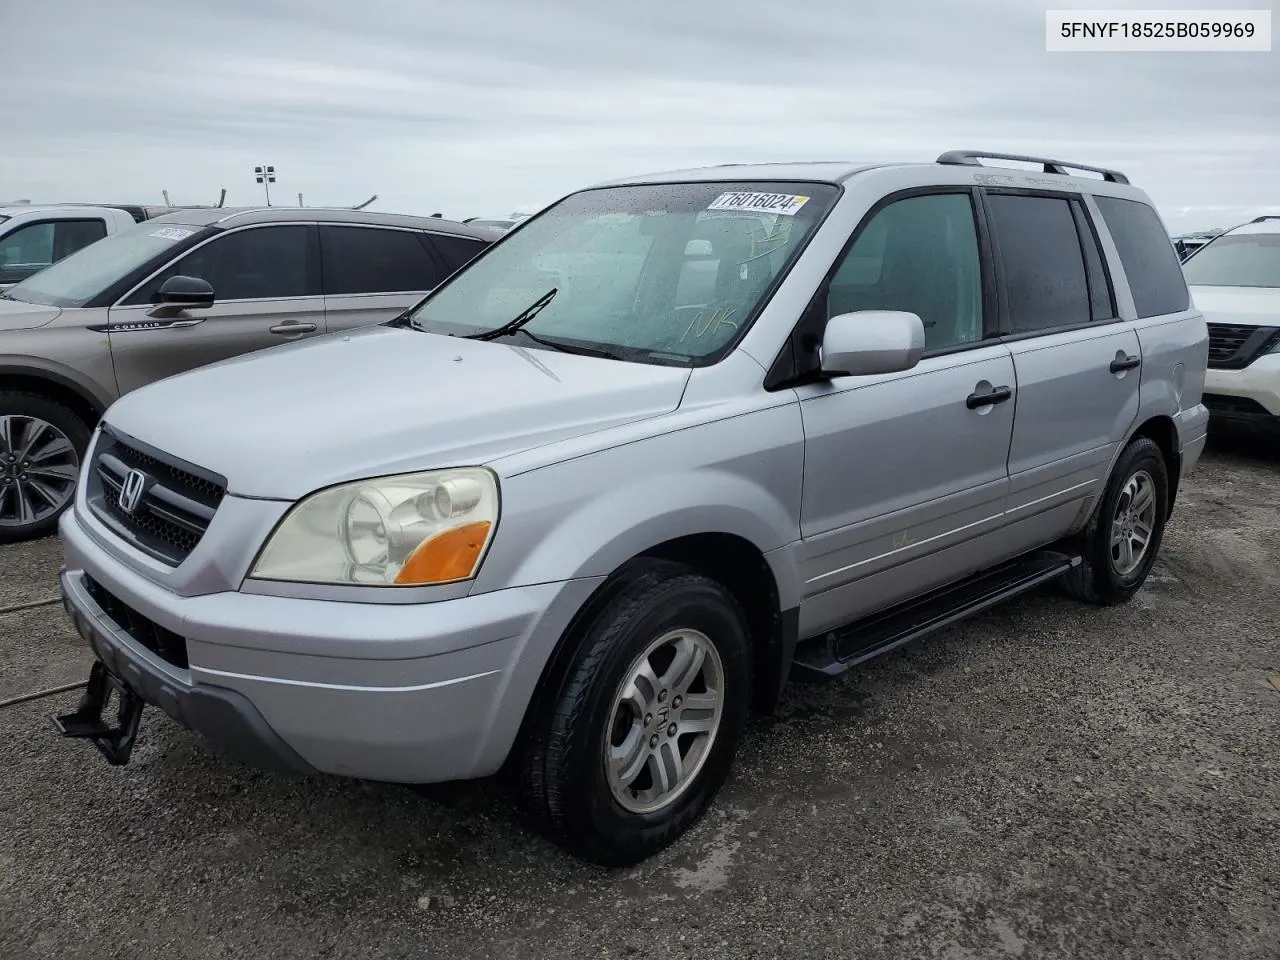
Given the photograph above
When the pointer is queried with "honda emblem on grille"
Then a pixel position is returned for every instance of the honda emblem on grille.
(135, 481)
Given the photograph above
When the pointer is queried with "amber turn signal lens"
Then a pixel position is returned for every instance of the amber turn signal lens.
(449, 555)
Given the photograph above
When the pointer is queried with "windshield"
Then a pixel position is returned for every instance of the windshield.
(661, 273)
(77, 279)
(1237, 260)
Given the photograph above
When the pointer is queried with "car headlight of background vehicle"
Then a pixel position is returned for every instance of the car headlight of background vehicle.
(410, 530)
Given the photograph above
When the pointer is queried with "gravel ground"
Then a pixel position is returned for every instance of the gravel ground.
(1045, 781)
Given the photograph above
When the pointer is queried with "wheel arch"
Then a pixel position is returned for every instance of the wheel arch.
(1162, 431)
(730, 559)
(55, 386)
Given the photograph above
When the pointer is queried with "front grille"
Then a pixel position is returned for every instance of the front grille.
(174, 503)
(165, 643)
(1234, 347)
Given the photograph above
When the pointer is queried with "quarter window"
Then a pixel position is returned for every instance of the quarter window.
(920, 255)
(259, 263)
(1147, 253)
(372, 260)
(456, 251)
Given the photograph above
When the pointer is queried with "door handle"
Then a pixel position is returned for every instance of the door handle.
(285, 329)
(985, 398)
(1124, 362)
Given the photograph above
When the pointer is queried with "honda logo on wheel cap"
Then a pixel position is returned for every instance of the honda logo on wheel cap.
(135, 482)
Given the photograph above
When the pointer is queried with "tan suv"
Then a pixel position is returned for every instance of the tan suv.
(182, 291)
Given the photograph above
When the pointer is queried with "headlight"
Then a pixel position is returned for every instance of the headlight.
(421, 528)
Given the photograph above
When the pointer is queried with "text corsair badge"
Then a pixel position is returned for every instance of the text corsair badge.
(135, 481)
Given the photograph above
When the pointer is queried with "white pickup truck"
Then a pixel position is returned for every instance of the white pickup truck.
(33, 236)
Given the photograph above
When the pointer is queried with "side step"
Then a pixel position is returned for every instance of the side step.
(834, 652)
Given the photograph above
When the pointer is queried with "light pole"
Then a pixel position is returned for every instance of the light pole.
(265, 175)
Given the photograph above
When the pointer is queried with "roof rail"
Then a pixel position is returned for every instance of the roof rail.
(970, 158)
(1265, 217)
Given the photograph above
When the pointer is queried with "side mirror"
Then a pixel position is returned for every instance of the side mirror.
(186, 292)
(872, 341)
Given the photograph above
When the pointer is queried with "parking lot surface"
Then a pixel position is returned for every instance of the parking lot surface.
(1048, 780)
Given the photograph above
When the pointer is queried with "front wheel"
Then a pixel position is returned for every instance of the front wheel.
(41, 445)
(629, 748)
(1120, 543)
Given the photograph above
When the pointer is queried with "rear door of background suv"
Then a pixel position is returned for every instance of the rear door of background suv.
(1077, 362)
(373, 273)
(265, 280)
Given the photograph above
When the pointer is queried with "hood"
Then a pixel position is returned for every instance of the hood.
(284, 422)
(17, 315)
(1243, 306)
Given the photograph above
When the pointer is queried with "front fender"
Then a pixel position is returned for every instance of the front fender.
(587, 516)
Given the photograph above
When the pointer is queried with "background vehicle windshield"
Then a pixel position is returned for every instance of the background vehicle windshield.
(77, 279)
(659, 273)
(1243, 260)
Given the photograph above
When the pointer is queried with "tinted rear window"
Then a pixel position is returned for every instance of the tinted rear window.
(1044, 268)
(1147, 254)
(374, 260)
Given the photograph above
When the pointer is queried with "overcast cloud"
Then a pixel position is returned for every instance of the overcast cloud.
(488, 106)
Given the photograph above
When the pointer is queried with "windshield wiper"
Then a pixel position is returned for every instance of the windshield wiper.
(518, 321)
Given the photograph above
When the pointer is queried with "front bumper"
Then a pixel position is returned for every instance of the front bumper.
(410, 693)
(1246, 399)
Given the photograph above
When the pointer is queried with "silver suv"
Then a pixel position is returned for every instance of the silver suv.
(179, 291)
(674, 441)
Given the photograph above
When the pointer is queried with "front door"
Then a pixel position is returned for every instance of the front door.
(906, 473)
(266, 291)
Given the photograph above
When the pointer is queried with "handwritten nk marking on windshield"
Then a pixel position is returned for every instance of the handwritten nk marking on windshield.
(718, 318)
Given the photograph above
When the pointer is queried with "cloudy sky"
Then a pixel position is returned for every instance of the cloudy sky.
(478, 107)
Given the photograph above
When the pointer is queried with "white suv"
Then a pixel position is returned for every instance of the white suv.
(1235, 281)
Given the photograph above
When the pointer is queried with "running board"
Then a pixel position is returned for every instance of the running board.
(834, 652)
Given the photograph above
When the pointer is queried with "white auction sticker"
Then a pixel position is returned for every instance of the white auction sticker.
(784, 203)
(1131, 31)
(172, 233)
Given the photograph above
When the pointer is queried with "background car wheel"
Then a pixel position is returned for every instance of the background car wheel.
(1120, 544)
(41, 446)
(629, 746)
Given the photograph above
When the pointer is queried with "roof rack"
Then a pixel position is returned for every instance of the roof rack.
(970, 158)
(1266, 216)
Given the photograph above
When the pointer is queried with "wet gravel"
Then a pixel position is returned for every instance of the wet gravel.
(1045, 781)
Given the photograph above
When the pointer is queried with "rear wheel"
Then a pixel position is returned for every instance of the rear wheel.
(627, 750)
(1120, 544)
(41, 447)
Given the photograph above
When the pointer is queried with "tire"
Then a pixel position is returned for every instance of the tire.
(561, 765)
(31, 502)
(1102, 578)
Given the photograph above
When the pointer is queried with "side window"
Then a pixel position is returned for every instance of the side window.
(456, 251)
(254, 264)
(372, 260)
(918, 254)
(1147, 254)
(1044, 269)
(71, 235)
(25, 251)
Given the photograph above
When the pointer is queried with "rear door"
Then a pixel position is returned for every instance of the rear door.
(266, 287)
(373, 273)
(1077, 362)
